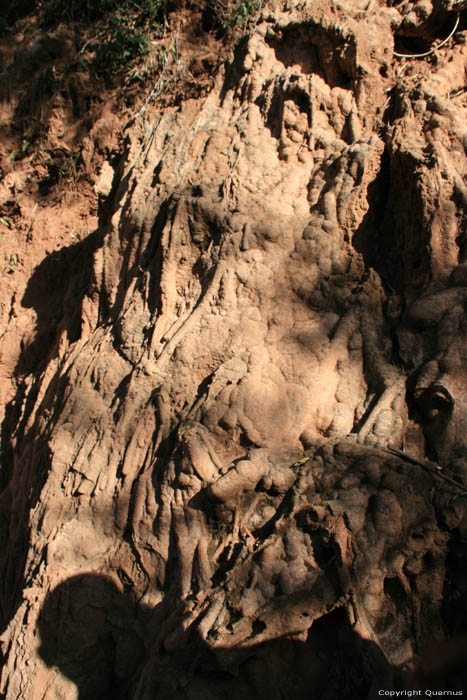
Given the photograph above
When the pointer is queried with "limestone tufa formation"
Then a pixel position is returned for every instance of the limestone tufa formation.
(199, 494)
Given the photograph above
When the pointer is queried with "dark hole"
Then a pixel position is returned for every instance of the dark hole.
(395, 590)
(410, 44)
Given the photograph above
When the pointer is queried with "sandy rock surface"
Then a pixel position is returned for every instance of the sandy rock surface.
(201, 497)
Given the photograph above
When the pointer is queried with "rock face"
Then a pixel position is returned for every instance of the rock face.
(199, 494)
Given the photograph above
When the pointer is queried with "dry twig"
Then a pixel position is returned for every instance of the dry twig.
(430, 467)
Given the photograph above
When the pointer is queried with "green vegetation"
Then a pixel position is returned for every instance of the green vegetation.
(123, 44)
(232, 15)
(62, 169)
(242, 12)
(112, 37)
(12, 263)
(88, 11)
(138, 16)
(123, 28)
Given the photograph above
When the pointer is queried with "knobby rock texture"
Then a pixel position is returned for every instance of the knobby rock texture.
(200, 497)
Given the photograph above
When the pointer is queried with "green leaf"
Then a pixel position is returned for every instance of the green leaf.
(301, 461)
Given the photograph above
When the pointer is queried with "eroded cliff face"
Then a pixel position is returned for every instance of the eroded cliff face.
(200, 497)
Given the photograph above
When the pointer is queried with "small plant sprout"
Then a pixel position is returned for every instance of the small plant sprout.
(12, 263)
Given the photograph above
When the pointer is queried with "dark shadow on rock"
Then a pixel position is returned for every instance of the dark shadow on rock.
(91, 632)
(100, 639)
(329, 662)
(308, 46)
(55, 291)
(443, 667)
(395, 206)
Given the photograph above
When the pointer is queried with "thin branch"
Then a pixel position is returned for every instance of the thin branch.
(431, 467)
